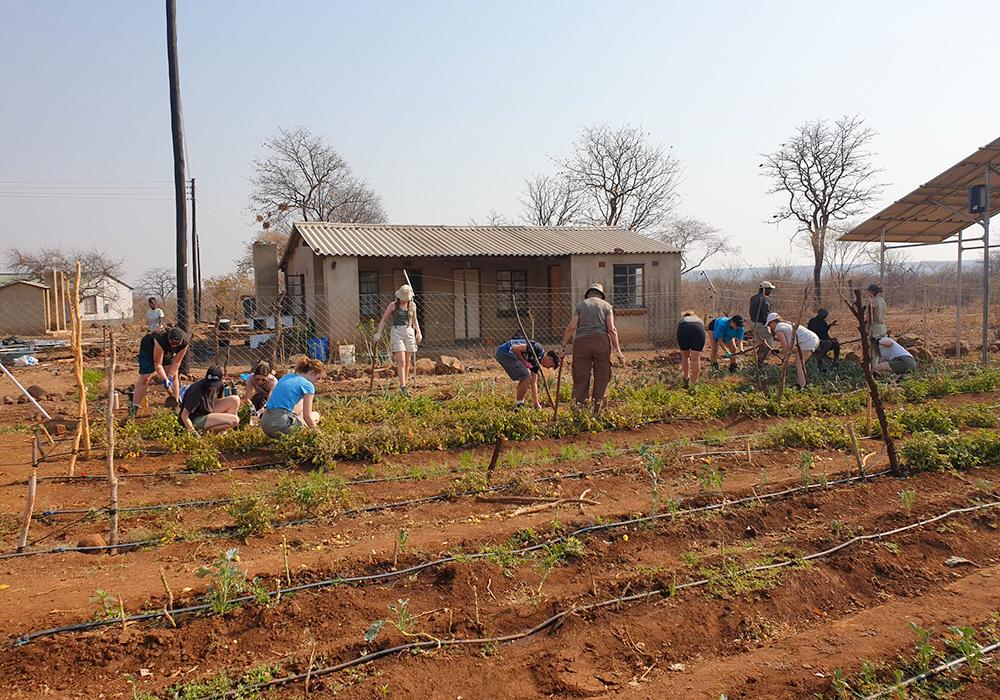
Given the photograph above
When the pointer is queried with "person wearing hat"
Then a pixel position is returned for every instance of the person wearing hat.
(160, 355)
(727, 333)
(805, 344)
(594, 335)
(819, 325)
(523, 361)
(875, 314)
(760, 309)
(405, 334)
(205, 410)
(894, 358)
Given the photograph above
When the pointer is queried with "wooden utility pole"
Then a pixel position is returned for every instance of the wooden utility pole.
(180, 169)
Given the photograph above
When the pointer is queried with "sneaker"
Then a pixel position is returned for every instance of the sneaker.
(133, 411)
(403, 391)
(687, 383)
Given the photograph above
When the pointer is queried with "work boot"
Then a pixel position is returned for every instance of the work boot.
(687, 382)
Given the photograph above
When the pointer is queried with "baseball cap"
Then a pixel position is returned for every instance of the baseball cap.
(176, 335)
(214, 375)
(767, 285)
(874, 288)
(822, 313)
(772, 317)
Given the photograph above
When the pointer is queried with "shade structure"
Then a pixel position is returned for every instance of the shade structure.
(937, 210)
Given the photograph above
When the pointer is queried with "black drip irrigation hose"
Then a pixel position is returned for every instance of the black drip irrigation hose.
(291, 523)
(417, 568)
(590, 607)
(941, 668)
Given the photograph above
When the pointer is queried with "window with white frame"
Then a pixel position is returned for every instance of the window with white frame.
(628, 287)
(511, 282)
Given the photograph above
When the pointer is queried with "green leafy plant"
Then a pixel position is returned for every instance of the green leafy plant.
(313, 493)
(204, 458)
(228, 581)
(107, 605)
(962, 642)
(923, 651)
(709, 476)
(807, 460)
(907, 497)
(252, 515)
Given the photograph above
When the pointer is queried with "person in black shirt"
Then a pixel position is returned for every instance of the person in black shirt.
(160, 355)
(819, 325)
(760, 309)
(205, 409)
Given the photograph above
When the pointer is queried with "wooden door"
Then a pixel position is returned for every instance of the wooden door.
(466, 301)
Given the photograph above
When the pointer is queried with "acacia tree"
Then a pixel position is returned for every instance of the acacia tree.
(159, 282)
(825, 173)
(697, 240)
(622, 179)
(301, 177)
(96, 266)
(550, 201)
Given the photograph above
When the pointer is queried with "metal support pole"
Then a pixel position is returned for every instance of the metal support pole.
(881, 258)
(986, 270)
(958, 301)
(195, 255)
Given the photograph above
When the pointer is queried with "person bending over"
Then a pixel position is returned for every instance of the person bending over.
(160, 355)
(803, 349)
(518, 358)
(691, 340)
(290, 405)
(894, 358)
(726, 333)
(205, 410)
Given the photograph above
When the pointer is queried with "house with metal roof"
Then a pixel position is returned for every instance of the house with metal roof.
(468, 279)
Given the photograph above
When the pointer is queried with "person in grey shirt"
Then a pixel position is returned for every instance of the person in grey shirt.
(594, 335)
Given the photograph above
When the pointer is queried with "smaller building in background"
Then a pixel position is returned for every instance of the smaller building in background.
(31, 307)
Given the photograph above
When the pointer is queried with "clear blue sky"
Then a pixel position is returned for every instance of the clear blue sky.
(445, 107)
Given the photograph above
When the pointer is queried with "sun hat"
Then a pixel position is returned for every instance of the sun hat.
(767, 285)
(885, 341)
(772, 317)
(405, 293)
(594, 287)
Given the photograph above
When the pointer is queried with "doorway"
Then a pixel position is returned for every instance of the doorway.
(466, 301)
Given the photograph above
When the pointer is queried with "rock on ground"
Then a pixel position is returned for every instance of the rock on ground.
(447, 364)
(38, 392)
(425, 365)
(94, 540)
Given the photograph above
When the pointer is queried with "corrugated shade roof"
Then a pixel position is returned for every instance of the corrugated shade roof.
(399, 241)
(938, 210)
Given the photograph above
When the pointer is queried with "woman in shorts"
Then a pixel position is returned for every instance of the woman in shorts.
(405, 334)
(691, 339)
(259, 386)
(290, 405)
(205, 410)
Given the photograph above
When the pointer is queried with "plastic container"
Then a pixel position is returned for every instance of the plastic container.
(346, 353)
(318, 349)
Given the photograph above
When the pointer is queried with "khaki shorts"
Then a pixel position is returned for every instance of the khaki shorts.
(403, 339)
(277, 422)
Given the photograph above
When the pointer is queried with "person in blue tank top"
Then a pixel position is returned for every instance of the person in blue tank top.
(523, 362)
(726, 333)
(290, 405)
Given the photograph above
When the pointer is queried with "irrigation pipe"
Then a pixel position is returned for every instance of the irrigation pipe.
(941, 668)
(417, 568)
(576, 610)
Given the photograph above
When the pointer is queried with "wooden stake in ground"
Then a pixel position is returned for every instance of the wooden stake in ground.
(497, 449)
(29, 502)
(109, 416)
(858, 309)
(856, 450)
(76, 341)
(555, 409)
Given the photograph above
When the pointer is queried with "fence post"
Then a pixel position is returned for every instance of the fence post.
(29, 502)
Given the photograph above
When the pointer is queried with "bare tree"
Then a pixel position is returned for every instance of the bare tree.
(493, 218)
(159, 282)
(826, 175)
(302, 177)
(550, 201)
(96, 266)
(622, 178)
(843, 259)
(697, 240)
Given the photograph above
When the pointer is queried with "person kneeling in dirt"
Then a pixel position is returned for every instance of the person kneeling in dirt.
(160, 354)
(894, 358)
(259, 386)
(804, 348)
(205, 410)
(819, 325)
(289, 406)
(520, 359)
(726, 333)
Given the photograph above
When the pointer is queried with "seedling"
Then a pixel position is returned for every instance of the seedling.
(963, 643)
(228, 582)
(907, 497)
(401, 537)
(653, 464)
(107, 605)
(924, 652)
(253, 515)
(807, 460)
(709, 476)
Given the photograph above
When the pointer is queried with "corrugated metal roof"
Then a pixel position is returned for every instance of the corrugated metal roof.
(399, 241)
(937, 210)
(27, 282)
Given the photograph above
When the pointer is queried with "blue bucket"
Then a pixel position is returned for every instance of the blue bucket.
(318, 349)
